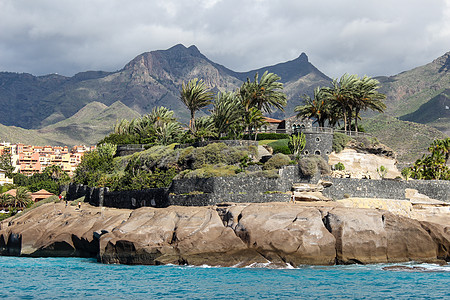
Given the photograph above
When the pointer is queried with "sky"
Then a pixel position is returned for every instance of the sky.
(381, 37)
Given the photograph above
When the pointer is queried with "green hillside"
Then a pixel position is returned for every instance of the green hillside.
(88, 126)
(418, 95)
(409, 140)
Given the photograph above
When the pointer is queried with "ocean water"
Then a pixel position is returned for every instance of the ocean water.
(79, 278)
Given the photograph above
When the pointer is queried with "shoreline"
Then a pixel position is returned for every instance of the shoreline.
(316, 233)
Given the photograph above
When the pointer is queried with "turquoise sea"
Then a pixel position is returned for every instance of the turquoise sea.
(79, 278)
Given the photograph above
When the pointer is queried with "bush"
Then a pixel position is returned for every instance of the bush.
(268, 136)
(210, 171)
(309, 166)
(213, 154)
(339, 166)
(339, 141)
(280, 146)
(277, 161)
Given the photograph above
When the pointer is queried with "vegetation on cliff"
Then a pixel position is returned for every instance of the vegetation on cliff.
(433, 165)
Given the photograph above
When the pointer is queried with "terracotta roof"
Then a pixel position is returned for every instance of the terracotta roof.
(12, 192)
(42, 192)
(271, 120)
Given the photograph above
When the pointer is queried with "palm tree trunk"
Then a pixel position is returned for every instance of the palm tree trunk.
(192, 122)
(356, 119)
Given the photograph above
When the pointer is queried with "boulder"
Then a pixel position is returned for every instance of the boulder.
(262, 234)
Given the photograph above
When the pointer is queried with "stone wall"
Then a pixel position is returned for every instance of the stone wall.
(387, 189)
(318, 143)
(123, 150)
(230, 143)
(214, 190)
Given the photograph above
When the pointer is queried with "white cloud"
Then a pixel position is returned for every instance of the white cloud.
(364, 37)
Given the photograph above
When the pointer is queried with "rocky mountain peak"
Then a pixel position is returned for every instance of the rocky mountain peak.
(303, 57)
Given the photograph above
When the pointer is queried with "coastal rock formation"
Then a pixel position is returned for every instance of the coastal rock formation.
(56, 230)
(258, 234)
(364, 165)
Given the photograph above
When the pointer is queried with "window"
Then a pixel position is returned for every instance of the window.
(317, 152)
(317, 139)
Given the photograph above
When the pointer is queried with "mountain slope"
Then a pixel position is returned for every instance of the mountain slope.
(408, 139)
(151, 79)
(435, 112)
(87, 126)
(409, 92)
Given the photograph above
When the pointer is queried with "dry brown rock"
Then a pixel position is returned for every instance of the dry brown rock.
(229, 235)
(56, 230)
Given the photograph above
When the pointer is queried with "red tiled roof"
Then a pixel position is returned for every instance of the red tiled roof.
(271, 120)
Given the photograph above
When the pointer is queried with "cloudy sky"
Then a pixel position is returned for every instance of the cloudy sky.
(381, 37)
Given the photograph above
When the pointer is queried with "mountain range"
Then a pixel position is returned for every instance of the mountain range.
(54, 109)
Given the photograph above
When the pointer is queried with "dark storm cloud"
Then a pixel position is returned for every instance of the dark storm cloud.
(364, 37)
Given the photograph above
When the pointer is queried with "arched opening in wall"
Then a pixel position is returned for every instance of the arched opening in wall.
(306, 152)
(327, 153)
(317, 139)
(317, 152)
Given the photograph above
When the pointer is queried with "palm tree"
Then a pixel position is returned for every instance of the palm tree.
(6, 200)
(342, 93)
(365, 96)
(57, 173)
(227, 113)
(265, 94)
(22, 198)
(195, 95)
(317, 107)
(254, 119)
(204, 127)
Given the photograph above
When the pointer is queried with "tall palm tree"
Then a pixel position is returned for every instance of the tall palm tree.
(342, 93)
(227, 113)
(195, 95)
(317, 107)
(264, 94)
(254, 119)
(366, 96)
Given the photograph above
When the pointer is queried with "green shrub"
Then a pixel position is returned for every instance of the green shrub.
(277, 161)
(210, 171)
(268, 136)
(280, 146)
(339, 166)
(406, 173)
(339, 141)
(309, 166)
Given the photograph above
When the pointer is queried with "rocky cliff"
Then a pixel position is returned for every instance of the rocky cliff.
(276, 234)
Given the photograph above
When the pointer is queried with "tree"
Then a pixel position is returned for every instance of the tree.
(317, 107)
(95, 164)
(195, 95)
(434, 165)
(6, 200)
(265, 94)
(22, 198)
(227, 113)
(342, 93)
(365, 96)
(205, 128)
(254, 119)
(57, 174)
(6, 164)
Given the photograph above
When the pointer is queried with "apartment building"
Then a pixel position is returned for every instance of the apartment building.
(28, 159)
